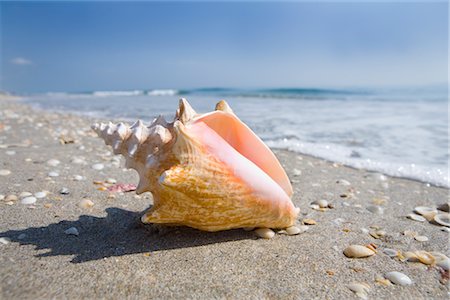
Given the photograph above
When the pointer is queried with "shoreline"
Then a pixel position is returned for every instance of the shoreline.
(93, 119)
(114, 256)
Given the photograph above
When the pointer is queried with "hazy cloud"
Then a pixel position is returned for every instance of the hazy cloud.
(21, 61)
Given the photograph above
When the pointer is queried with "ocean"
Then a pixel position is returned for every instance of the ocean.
(398, 132)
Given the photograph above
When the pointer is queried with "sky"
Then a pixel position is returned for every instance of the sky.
(84, 46)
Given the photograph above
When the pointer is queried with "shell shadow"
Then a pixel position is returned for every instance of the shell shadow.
(119, 233)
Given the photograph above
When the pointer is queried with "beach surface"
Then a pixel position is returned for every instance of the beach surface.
(114, 256)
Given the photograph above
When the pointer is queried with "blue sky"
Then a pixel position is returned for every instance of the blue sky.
(81, 46)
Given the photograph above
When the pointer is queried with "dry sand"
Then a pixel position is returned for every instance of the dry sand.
(116, 257)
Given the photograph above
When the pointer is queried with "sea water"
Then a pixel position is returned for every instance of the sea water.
(402, 133)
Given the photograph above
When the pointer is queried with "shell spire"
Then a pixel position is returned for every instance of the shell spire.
(207, 171)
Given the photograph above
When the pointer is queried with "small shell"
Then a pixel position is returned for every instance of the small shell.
(361, 289)
(425, 257)
(72, 231)
(416, 217)
(25, 194)
(28, 200)
(381, 280)
(444, 207)
(398, 278)
(442, 219)
(421, 238)
(378, 210)
(441, 260)
(410, 256)
(321, 203)
(377, 234)
(427, 212)
(390, 252)
(309, 222)
(265, 233)
(86, 203)
(293, 230)
(358, 251)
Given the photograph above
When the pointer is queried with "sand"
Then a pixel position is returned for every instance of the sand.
(115, 256)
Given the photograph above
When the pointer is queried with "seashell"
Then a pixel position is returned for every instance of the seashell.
(441, 260)
(427, 212)
(416, 217)
(410, 256)
(425, 257)
(378, 210)
(390, 252)
(358, 251)
(398, 278)
(421, 238)
(444, 207)
(361, 289)
(321, 203)
(442, 219)
(265, 233)
(207, 171)
(293, 230)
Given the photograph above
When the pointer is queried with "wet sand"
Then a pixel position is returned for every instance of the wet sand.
(115, 256)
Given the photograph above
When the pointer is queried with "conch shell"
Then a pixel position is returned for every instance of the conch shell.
(207, 171)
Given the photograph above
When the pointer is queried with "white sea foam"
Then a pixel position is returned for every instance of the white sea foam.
(117, 93)
(434, 175)
(167, 92)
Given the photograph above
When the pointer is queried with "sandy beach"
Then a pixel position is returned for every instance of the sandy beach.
(67, 171)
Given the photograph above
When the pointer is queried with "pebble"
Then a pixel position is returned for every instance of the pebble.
(53, 162)
(72, 231)
(40, 195)
(4, 172)
(361, 289)
(390, 252)
(5, 240)
(53, 174)
(111, 181)
(78, 178)
(398, 278)
(416, 217)
(11, 152)
(421, 238)
(265, 233)
(86, 203)
(98, 167)
(378, 210)
(28, 200)
(25, 194)
(64, 191)
(358, 251)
